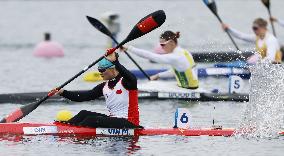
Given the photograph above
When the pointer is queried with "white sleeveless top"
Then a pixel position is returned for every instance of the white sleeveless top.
(117, 100)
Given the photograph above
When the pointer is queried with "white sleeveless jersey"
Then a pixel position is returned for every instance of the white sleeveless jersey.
(117, 100)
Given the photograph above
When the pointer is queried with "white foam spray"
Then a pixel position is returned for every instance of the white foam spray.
(263, 117)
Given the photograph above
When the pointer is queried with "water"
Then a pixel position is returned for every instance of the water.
(265, 111)
(23, 23)
(154, 114)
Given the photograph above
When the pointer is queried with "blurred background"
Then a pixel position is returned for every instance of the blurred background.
(23, 23)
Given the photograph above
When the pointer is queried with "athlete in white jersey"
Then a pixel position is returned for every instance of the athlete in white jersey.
(120, 92)
(267, 45)
(281, 23)
(183, 65)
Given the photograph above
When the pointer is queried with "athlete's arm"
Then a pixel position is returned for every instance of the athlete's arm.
(80, 96)
(165, 58)
(241, 35)
(129, 80)
(166, 74)
(281, 22)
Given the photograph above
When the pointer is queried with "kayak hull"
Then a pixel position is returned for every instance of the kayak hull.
(94, 76)
(57, 128)
(62, 129)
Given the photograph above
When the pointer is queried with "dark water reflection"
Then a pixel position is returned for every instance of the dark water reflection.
(106, 145)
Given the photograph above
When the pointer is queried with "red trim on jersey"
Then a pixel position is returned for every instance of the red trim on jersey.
(133, 110)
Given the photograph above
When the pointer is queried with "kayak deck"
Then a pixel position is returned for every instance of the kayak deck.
(57, 128)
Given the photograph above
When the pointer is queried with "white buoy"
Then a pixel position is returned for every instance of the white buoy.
(236, 84)
(182, 118)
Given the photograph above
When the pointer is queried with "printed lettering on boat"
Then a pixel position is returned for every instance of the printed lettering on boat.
(191, 95)
(40, 130)
(66, 131)
(115, 131)
(144, 94)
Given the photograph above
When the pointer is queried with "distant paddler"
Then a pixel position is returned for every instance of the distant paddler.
(267, 46)
(120, 92)
(182, 62)
(281, 23)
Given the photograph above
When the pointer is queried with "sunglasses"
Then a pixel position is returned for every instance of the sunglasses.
(255, 28)
(164, 43)
(101, 70)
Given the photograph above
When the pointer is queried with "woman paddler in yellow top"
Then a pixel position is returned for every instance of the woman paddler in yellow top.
(267, 45)
(183, 65)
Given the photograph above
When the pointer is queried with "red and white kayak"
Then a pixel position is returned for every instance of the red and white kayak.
(58, 128)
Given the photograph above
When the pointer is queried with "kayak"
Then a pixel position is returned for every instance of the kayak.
(164, 87)
(25, 98)
(58, 128)
(233, 64)
(170, 90)
(147, 90)
(62, 129)
(94, 76)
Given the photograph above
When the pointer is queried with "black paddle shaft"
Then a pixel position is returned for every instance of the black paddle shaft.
(233, 41)
(25, 110)
(212, 6)
(132, 60)
(266, 3)
(144, 26)
(272, 24)
(102, 28)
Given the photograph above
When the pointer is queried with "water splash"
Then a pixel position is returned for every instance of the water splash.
(263, 117)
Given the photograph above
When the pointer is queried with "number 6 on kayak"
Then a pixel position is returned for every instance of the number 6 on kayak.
(182, 118)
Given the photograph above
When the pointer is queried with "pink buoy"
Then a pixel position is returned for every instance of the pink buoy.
(48, 48)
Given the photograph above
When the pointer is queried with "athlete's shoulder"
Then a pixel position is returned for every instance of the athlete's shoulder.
(272, 39)
(180, 49)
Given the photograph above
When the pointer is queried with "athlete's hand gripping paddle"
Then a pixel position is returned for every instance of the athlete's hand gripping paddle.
(144, 26)
(102, 28)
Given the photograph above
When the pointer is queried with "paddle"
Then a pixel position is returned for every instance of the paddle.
(102, 28)
(144, 26)
(266, 3)
(212, 6)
